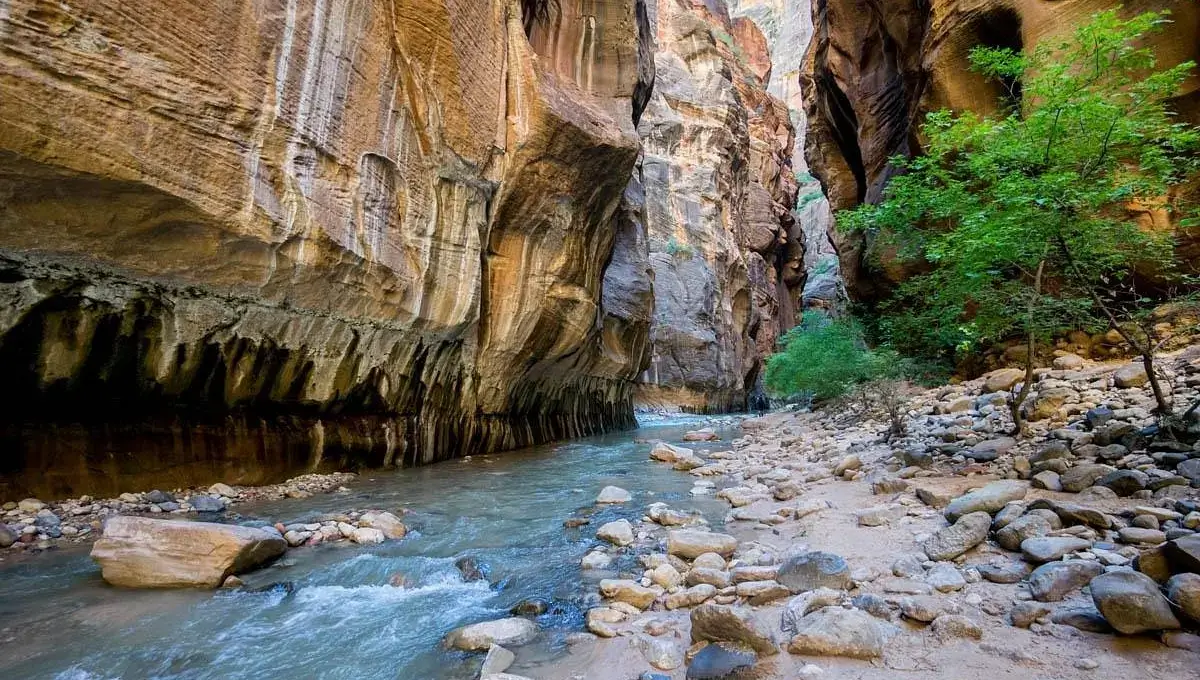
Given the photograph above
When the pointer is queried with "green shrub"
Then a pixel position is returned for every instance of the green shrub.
(677, 249)
(825, 357)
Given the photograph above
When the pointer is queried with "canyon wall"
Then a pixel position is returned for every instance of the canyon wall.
(875, 70)
(726, 251)
(281, 229)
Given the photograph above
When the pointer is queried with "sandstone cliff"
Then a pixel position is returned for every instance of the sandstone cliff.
(719, 184)
(402, 224)
(875, 70)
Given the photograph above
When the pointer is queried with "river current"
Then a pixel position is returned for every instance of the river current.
(329, 611)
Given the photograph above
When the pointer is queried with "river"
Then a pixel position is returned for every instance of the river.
(341, 619)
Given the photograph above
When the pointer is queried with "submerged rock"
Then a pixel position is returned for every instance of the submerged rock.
(138, 552)
(613, 495)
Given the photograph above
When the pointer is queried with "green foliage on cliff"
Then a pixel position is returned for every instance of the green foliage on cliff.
(1021, 220)
(825, 358)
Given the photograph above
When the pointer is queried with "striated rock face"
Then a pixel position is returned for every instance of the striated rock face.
(725, 249)
(876, 69)
(401, 223)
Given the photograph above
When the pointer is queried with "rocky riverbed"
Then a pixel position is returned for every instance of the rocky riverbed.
(956, 551)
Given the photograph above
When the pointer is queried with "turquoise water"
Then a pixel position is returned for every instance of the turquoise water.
(339, 618)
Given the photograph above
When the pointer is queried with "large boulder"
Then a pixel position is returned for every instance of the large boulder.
(1082, 476)
(690, 543)
(956, 539)
(1131, 602)
(1041, 549)
(479, 637)
(138, 552)
(990, 499)
(1002, 380)
(613, 495)
(7, 536)
(718, 623)
(1130, 375)
(1022, 528)
(812, 570)
(619, 533)
(834, 631)
(1184, 554)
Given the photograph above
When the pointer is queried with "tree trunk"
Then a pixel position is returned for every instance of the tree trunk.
(1018, 399)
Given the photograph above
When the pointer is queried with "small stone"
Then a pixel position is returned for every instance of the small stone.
(662, 653)
(952, 626)
(367, 536)
(1051, 582)
(944, 577)
(990, 499)
(630, 592)
(1081, 618)
(1184, 591)
(1139, 536)
(1024, 527)
(1130, 375)
(991, 449)
(1051, 548)
(1023, 614)
(690, 543)
(1047, 479)
(1006, 572)
(220, 489)
(812, 570)
(923, 608)
(1086, 664)
(967, 532)
(595, 560)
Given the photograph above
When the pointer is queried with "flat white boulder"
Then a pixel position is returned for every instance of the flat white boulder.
(139, 552)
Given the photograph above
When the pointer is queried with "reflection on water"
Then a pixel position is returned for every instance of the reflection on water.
(341, 619)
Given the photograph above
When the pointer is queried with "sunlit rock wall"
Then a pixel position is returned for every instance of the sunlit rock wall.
(403, 211)
(875, 70)
(719, 185)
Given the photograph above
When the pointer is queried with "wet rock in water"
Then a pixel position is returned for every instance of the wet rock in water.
(1023, 614)
(471, 569)
(990, 449)
(596, 560)
(1184, 591)
(138, 552)
(1051, 582)
(368, 536)
(629, 592)
(530, 607)
(952, 626)
(719, 661)
(990, 499)
(386, 522)
(1051, 548)
(575, 522)
(812, 570)
(690, 543)
(207, 503)
(1081, 618)
(966, 533)
(613, 495)
(663, 514)
(704, 435)
(619, 532)
(719, 623)
(834, 631)
(1131, 602)
(498, 660)
(7, 537)
(662, 653)
(1022, 528)
(400, 580)
(279, 587)
(478, 637)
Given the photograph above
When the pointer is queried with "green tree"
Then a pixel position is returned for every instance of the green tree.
(823, 357)
(1022, 217)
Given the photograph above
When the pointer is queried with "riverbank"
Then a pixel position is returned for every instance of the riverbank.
(954, 552)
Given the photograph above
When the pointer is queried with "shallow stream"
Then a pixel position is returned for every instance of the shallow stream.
(341, 619)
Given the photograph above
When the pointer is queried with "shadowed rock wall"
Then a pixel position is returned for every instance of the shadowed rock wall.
(324, 210)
